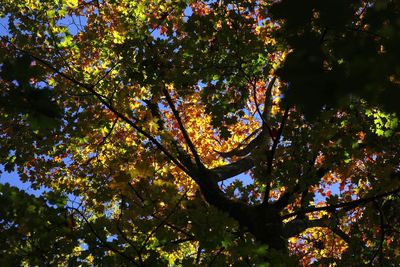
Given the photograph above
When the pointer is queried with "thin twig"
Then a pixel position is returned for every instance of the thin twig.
(109, 133)
(215, 256)
(124, 236)
(104, 242)
(162, 222)
(346, 205)
(382, 230)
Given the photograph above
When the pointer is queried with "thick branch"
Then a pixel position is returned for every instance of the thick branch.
(241, 152)
(230, 170)
(266, 110)
(297, 226)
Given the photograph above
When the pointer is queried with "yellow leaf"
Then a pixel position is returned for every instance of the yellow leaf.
(72, 3)
(118, 38)
(153, 126)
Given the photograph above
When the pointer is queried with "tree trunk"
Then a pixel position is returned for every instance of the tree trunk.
(263, 222)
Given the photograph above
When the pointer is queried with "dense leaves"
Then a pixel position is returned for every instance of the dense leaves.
(21, 98)
(32, 231)
(191, 133)
(340, 49)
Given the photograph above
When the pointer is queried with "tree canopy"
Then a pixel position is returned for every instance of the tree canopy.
(200, 133)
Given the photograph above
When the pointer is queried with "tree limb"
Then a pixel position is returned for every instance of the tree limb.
(230, 170)
(245, 150)
(183, 129)
(297, 226)
(346, 205)
(266, 104)
(272, 155)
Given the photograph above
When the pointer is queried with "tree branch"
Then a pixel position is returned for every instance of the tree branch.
(104, 242)
(382, 238)
(162, 222)
(182, 128)
(346, 205)
(266, 111)
(264, 114)
(283, 201)
(238, 152)
(297, 226)
(230, 170)
(272, 155)
(155, 112)
(109, 132)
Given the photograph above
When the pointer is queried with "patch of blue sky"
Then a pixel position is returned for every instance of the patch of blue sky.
(156, 33)
(335, 191)
(13, 179)
(334, 188)
(187, 13)
(4, 30)
(245, 178)
(75, 24)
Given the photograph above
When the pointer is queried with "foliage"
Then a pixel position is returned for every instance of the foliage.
(32, 232)
(220, 133)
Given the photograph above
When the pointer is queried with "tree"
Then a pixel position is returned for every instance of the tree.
(202, 132)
